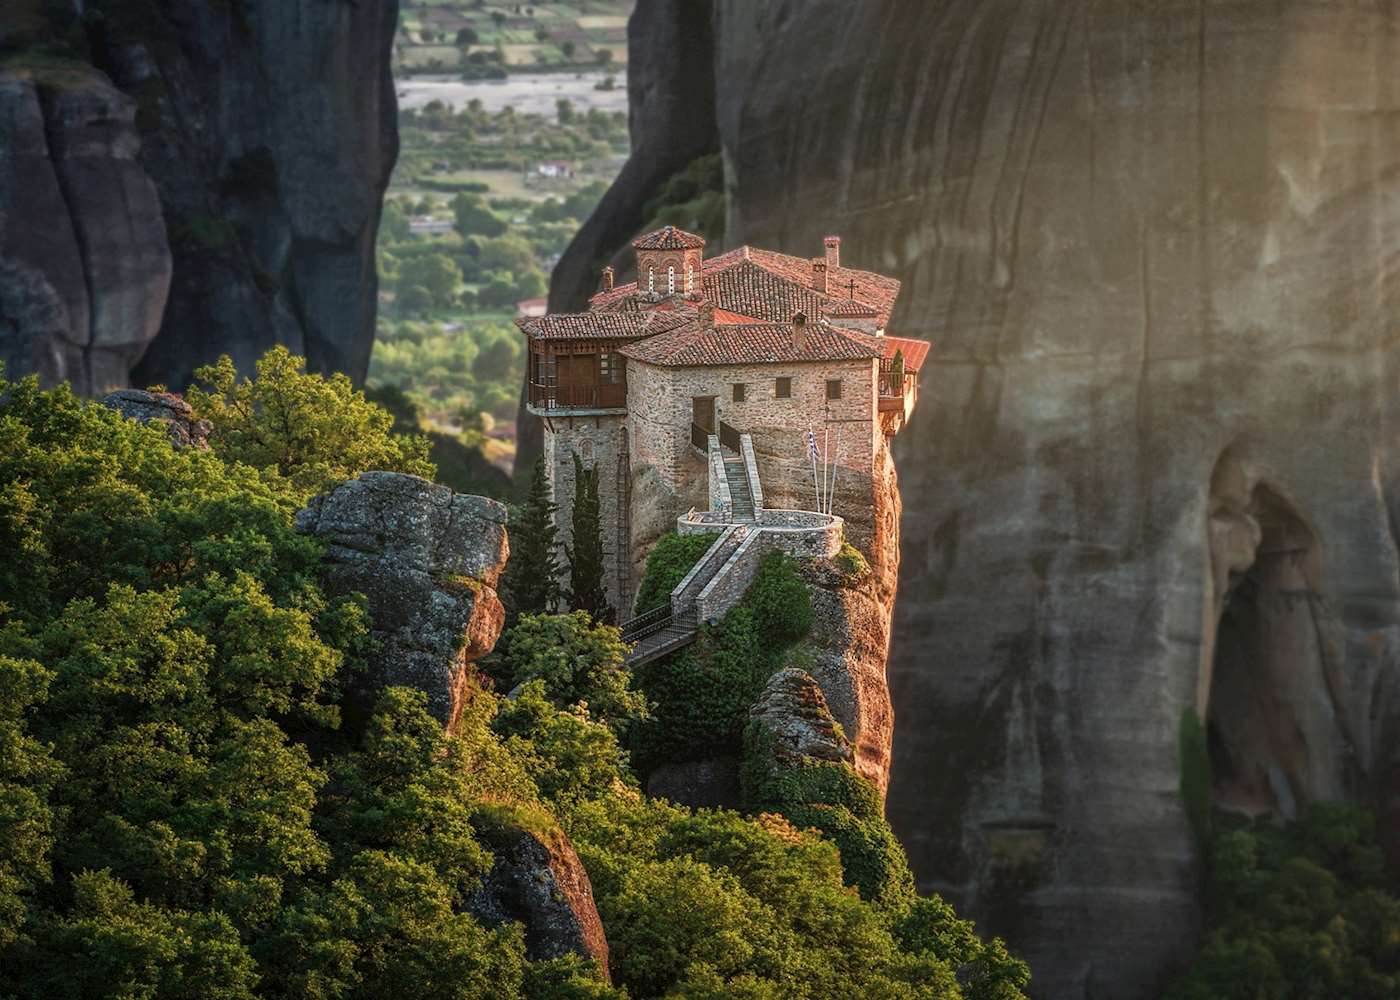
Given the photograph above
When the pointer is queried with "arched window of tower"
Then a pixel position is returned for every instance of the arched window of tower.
(671, 280)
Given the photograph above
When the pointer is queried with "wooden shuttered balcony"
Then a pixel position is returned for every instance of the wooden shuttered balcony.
(577, 375)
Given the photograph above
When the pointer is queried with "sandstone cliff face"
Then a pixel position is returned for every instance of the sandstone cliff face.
(234, 154)
(1152, 469)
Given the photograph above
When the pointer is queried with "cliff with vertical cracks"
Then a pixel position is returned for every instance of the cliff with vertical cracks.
(188, 179)
(1152, 471)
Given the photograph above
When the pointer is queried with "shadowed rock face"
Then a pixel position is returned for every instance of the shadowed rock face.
(538, 880)
(1149, 239)
(234, 154)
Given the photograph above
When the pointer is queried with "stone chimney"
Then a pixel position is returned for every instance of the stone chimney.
(833, 252)
(799, 331)
(608, 279)
(819, 272)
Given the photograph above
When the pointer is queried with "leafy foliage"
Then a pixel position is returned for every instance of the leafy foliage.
(183, 814)
(712, 904)
(670, 560)
(701, 695)
(580, 662)
(1297, 912)
(314, 431)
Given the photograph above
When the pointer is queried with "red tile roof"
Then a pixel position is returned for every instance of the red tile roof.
(752, 343)
(602, 325)
(772, 286)
(850, 308)
(915, 351)
(669, 238)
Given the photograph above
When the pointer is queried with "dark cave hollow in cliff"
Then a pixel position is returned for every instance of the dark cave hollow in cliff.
(1270, 722)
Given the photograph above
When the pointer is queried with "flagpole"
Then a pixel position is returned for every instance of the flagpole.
(812, 452)
(826, 461)
(831, 495)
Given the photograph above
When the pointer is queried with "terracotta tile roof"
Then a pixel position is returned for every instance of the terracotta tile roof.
(850, 308)
(724, 317)
(751, 343)
(669, 238)
(773, 286)
(915, 351)
(602, 325)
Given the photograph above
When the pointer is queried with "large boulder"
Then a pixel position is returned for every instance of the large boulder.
(538, 881)
(428, 560)
(1154, 244)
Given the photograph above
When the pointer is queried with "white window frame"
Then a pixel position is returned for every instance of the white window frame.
(671, 279)
(651, 279)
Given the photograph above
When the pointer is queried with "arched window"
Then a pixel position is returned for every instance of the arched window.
(651, 279)
(671, 280)
(689, 279)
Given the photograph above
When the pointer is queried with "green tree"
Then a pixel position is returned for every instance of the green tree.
(564, 108)
(580, 662)
(415, 300)
(586, 590)
(314, 431)
(568, 48)
(475, 218)
(436, 272)
(531, 579)
(466, 37)
(394, 224)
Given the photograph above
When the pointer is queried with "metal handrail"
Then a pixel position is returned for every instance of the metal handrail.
(647, 624)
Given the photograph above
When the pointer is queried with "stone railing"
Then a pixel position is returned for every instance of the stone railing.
(799, 533)
(751, 469)
(720, 498)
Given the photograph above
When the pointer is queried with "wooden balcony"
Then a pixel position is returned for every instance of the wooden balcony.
(898, 393)
(596, 396)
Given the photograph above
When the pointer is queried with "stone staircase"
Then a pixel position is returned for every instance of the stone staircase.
(741, 497)
(664, 630)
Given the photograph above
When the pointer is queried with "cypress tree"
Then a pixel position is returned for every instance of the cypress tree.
(586, 592)
(532, 576)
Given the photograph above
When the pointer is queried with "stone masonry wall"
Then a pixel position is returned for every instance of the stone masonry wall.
(670, 477)
(600, 442)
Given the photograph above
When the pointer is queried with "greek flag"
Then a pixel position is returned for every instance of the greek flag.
(812, 445)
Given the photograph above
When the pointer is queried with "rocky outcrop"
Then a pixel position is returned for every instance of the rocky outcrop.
(793, 714)
(84, 265)
(538, 881)
(164, 408)
(428, 560)
(850, 640)
(233, 153)
(1144, 237)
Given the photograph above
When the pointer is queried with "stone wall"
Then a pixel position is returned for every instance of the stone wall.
(600, 442)
(673, 476)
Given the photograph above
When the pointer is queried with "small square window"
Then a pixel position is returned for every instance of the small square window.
(833, 388)
(739, 389)
(782, 388)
